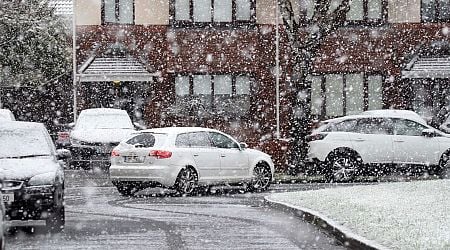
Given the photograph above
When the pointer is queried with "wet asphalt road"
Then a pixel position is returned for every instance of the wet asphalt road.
(98, 217)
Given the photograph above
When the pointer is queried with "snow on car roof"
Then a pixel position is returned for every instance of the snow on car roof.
(6, 114)
(176, 130)
(96, 111)
(21, 125)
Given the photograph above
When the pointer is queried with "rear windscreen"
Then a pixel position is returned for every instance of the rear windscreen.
(147, 140)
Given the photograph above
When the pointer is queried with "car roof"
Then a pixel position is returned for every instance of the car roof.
(95, 111)
(21, 125)
(405, 114)
(176, 130)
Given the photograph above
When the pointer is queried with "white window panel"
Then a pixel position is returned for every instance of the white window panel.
(202, 10)
(316, 94)
(222, 11)
(374, 9)
(375, 84)
(354, 93)
(334, 93)
(182, 85)
(243, 85)
(126, 11)
(202, 85)
(222, 85)
(182, 10)
(243, 10)
(356, 11)
(110, 11)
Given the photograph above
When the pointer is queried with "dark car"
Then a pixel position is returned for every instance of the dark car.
(33, 177)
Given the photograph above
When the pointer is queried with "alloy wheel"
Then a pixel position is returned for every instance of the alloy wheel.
(262, 177)
(187, 181)
(344, 169)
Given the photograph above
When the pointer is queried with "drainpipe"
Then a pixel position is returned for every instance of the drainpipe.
(74, 60)
(277, 70)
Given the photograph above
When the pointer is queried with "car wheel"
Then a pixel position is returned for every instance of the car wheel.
(444, 166)
(126, 189)
(261, 177)
(56, 220)
(342, 167)
(187, 181)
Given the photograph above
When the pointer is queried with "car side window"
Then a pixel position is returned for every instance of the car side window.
(343, 126)
(183, 141)
(375, 126)
(407, 127)
(222, 141)
(199, 140)
(147, 140)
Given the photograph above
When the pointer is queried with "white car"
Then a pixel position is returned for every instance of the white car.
(95, 134)
(184, 158)
(6, 114)
(353, 144)
(33, 177)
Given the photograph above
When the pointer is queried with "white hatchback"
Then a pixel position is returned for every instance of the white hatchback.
(185, 158)
(351, 144)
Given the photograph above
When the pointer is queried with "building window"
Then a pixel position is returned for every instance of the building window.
(361, 11)
(118, 11)
(335, 95)
(435, 11)
(220, 94)
(210, 12)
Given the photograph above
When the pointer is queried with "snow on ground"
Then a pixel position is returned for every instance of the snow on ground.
(402, 215)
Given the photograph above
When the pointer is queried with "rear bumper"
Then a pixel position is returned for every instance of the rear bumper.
(164, 175)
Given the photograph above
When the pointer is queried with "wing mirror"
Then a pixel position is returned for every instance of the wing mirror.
(63, 154)
(428, 132)
(139, 126)
(243, 145)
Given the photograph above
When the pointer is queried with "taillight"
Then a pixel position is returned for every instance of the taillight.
(115, 153)
(160, 154)
(315, 137)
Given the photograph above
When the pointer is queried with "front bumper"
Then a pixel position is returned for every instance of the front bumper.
(164, 175)
(30, 204)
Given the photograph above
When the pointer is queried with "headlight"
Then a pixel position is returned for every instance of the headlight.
(42, 179)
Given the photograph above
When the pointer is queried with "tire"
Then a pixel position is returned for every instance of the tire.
(187, 182)
(126, 189)
(56, 220)
(262, 177)
(342, 167)
(444, 166)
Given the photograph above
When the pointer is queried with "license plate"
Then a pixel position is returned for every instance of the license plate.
(7, 198)
(133, 159)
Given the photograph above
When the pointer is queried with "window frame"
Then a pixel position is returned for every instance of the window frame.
(211, 102)
(117, 13)
(366, 21)
(322, 111)
(190, 23)
(436, 18)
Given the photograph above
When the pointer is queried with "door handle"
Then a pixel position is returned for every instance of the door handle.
(359, 139)
(222, 155)
(399, 140)
(195, 155)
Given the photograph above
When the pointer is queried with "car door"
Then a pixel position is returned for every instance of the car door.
(372, 139)
(410, 146)
(234, 161)
(198, 146)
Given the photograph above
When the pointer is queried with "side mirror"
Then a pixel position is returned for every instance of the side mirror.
(63, 154)
(139, 126)
(243, 145)
(428, 132)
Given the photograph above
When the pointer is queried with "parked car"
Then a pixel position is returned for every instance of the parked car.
(185, 158)
(6, 114)
(346, 147)
(33, 178)
(95, 134)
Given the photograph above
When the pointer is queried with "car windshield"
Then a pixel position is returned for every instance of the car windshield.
(23, 143)
(104, 121)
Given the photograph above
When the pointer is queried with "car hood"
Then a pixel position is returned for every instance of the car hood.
(101, 135)
(24, 169)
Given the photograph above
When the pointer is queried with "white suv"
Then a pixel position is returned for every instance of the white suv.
(349, 145)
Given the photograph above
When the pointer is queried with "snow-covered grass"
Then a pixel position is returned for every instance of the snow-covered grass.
(402, 215)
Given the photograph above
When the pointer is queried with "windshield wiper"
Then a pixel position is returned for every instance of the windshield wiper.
(23, 156)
